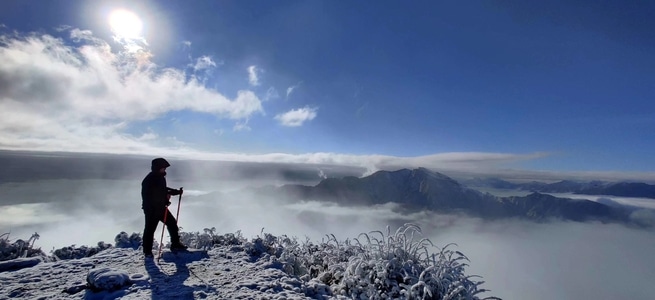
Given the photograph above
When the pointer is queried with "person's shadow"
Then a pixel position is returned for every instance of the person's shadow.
(165, 286)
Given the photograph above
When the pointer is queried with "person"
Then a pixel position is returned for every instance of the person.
(156, 198)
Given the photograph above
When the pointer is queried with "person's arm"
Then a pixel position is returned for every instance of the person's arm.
(174, 192)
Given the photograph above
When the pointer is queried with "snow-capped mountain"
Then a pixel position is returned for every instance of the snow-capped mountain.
(421, 188)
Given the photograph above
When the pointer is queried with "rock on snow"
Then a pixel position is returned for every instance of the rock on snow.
(107, 279)
(19, 263)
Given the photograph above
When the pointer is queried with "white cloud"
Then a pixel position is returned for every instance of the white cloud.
(271, 93)
(59, 28)
(291, 89)
(253, 75)
(452, 163)
(174, 141)
(150, 135)
(297, 117)
(58, 97)
(78, 35)
(186, 43)
(241, 126)
(204, 62)
(80, 98)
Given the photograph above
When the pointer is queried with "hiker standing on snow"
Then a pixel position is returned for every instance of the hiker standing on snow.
(156, 198)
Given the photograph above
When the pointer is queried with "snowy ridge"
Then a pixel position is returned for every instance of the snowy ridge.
(377, 265)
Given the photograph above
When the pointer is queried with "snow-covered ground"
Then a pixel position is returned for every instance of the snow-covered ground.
(220, 273)
(379, 265)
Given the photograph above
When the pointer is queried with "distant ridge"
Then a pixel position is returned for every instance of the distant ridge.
(422, 189)
(621, 189)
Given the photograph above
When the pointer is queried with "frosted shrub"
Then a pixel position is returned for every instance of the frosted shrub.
(268, 244)
(19, 248)
(209, 239)
(375, 265)
(195, 240)
(72, 252)
(122, 240)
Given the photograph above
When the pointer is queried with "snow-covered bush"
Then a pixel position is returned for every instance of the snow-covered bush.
(209, 239)
(267, 244)
(399, 265)
(375, 265)
(122, 240)
(195, 240)
(19, 248)
(72, 252)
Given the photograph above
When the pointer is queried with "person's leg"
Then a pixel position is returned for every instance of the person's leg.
(173, 230)
(149, 231)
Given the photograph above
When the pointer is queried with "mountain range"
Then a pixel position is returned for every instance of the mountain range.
(621, 189)
(422, 189)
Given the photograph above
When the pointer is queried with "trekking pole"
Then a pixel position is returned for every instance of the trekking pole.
(161, 241)
(177, 217)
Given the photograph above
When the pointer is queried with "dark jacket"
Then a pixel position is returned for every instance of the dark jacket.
(154, 192)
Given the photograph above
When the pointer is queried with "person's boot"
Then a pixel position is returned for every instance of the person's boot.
(178, 246)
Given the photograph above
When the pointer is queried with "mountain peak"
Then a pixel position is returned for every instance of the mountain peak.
(421, 188)
(418, 172)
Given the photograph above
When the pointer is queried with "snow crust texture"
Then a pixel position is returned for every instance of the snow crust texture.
(123, 273)
(19, 263)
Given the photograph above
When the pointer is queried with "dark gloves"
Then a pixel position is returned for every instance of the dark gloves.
(174, 192)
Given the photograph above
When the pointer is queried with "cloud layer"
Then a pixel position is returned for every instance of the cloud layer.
(62, 96)
(517, 259)
(79, 94)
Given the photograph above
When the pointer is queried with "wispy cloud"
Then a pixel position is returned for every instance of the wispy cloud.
(361, 109)
(204, 62)
(59, 28)
(451, 163)
(186, 43)
(78, 35)
(297, 117)
(82, 97)
(291, 89)
(241, 126)
(150, 135)
(271, 93)
(253, 75)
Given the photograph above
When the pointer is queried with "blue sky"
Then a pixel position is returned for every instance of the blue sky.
(557, 86)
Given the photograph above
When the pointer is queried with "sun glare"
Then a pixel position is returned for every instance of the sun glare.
(125, 24)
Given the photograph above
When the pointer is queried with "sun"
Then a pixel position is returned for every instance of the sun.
(125, 24)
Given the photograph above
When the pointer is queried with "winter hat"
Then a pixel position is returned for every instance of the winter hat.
(159, 163)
